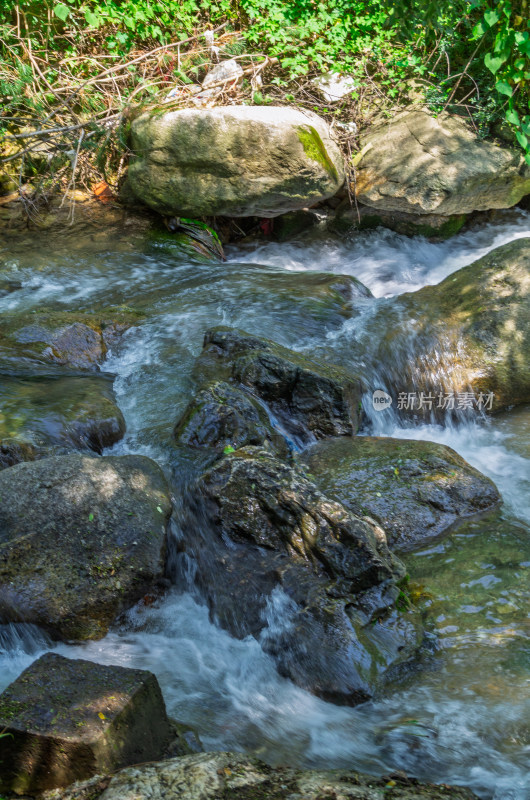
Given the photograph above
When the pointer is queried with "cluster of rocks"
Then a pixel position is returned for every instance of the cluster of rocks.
(414, 173)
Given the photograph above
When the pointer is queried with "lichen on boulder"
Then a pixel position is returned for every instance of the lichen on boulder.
(81, 539)
(233, 161)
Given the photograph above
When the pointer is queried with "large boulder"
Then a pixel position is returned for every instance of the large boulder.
(233, 776)
(419, 164)
(54, 415)
(307, 399)
(81, 539)
(233, 161)
(313, 582)
(415, 490)
(67, 720)
(467, 337)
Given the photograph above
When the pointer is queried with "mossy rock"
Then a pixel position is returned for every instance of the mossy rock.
(232, 161)
(81, 539)
(416, 490)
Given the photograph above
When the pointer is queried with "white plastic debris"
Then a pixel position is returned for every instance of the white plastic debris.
(334, 86)
(226, 71)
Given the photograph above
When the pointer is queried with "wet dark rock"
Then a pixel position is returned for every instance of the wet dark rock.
(469, 333)
(8, 286)
(314, 583)
(221, 416)
(67, 720)
(415, 490)
(233, 776)
(308, 399)
(81, 539)
(63, 338)
(57, 415)
(13, 451)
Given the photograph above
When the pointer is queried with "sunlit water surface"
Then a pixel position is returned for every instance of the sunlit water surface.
(467, 719)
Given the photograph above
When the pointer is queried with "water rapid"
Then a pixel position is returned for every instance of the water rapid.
(467, 719)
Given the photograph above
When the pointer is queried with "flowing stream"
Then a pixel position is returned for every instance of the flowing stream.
(466, 720)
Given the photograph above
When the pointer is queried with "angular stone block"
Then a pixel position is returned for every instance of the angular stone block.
(67, 720)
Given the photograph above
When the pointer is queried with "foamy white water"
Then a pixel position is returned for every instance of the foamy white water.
(466, 720)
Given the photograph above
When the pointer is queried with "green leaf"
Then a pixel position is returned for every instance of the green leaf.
(91, 518)
(491, 17)
(92, 19)
(522, 138)
(504, 88)
(229, 449)
(513, 117)
(61, 11)
(494, 63)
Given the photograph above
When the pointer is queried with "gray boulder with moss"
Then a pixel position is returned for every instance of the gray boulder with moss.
(423, 165)
(469, 333)
(233, 161)
(314, 583)
(415, 490)
(81, 539)
(66, 720)
(307, 399)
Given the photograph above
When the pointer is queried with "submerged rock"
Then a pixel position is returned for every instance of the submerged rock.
(308, 399)
(63, 338)
(57, 415)
(233, 161)
(81, 539)
(67, 720)
(415, 490)
(420, 164)
(234, 776)
(468, 336)
(314, 583)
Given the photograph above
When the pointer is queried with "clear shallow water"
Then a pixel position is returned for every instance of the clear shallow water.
(466, 720)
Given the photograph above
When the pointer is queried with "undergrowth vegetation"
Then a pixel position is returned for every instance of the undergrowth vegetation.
(71, 70)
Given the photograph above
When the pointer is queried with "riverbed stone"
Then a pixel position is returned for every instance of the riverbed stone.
(67, 720)
(233, 161)
(467, 337)
(420, 164)
(308, 399)
(57, 415)
(416, 490)
(81, 539)
(68, 339)
(314, 583)
(235, 776)
(222, 416)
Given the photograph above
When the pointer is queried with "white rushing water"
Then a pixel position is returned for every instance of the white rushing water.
(465, 721)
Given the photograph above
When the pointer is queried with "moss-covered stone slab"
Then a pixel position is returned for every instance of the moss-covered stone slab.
(415, 490)
(274, 549)
(233, 776)
(233, 161)
(67, 720)
(47, 416)
(421, 164)
(81, 539)
(308, 399)
(468, 334)
(61, 338)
